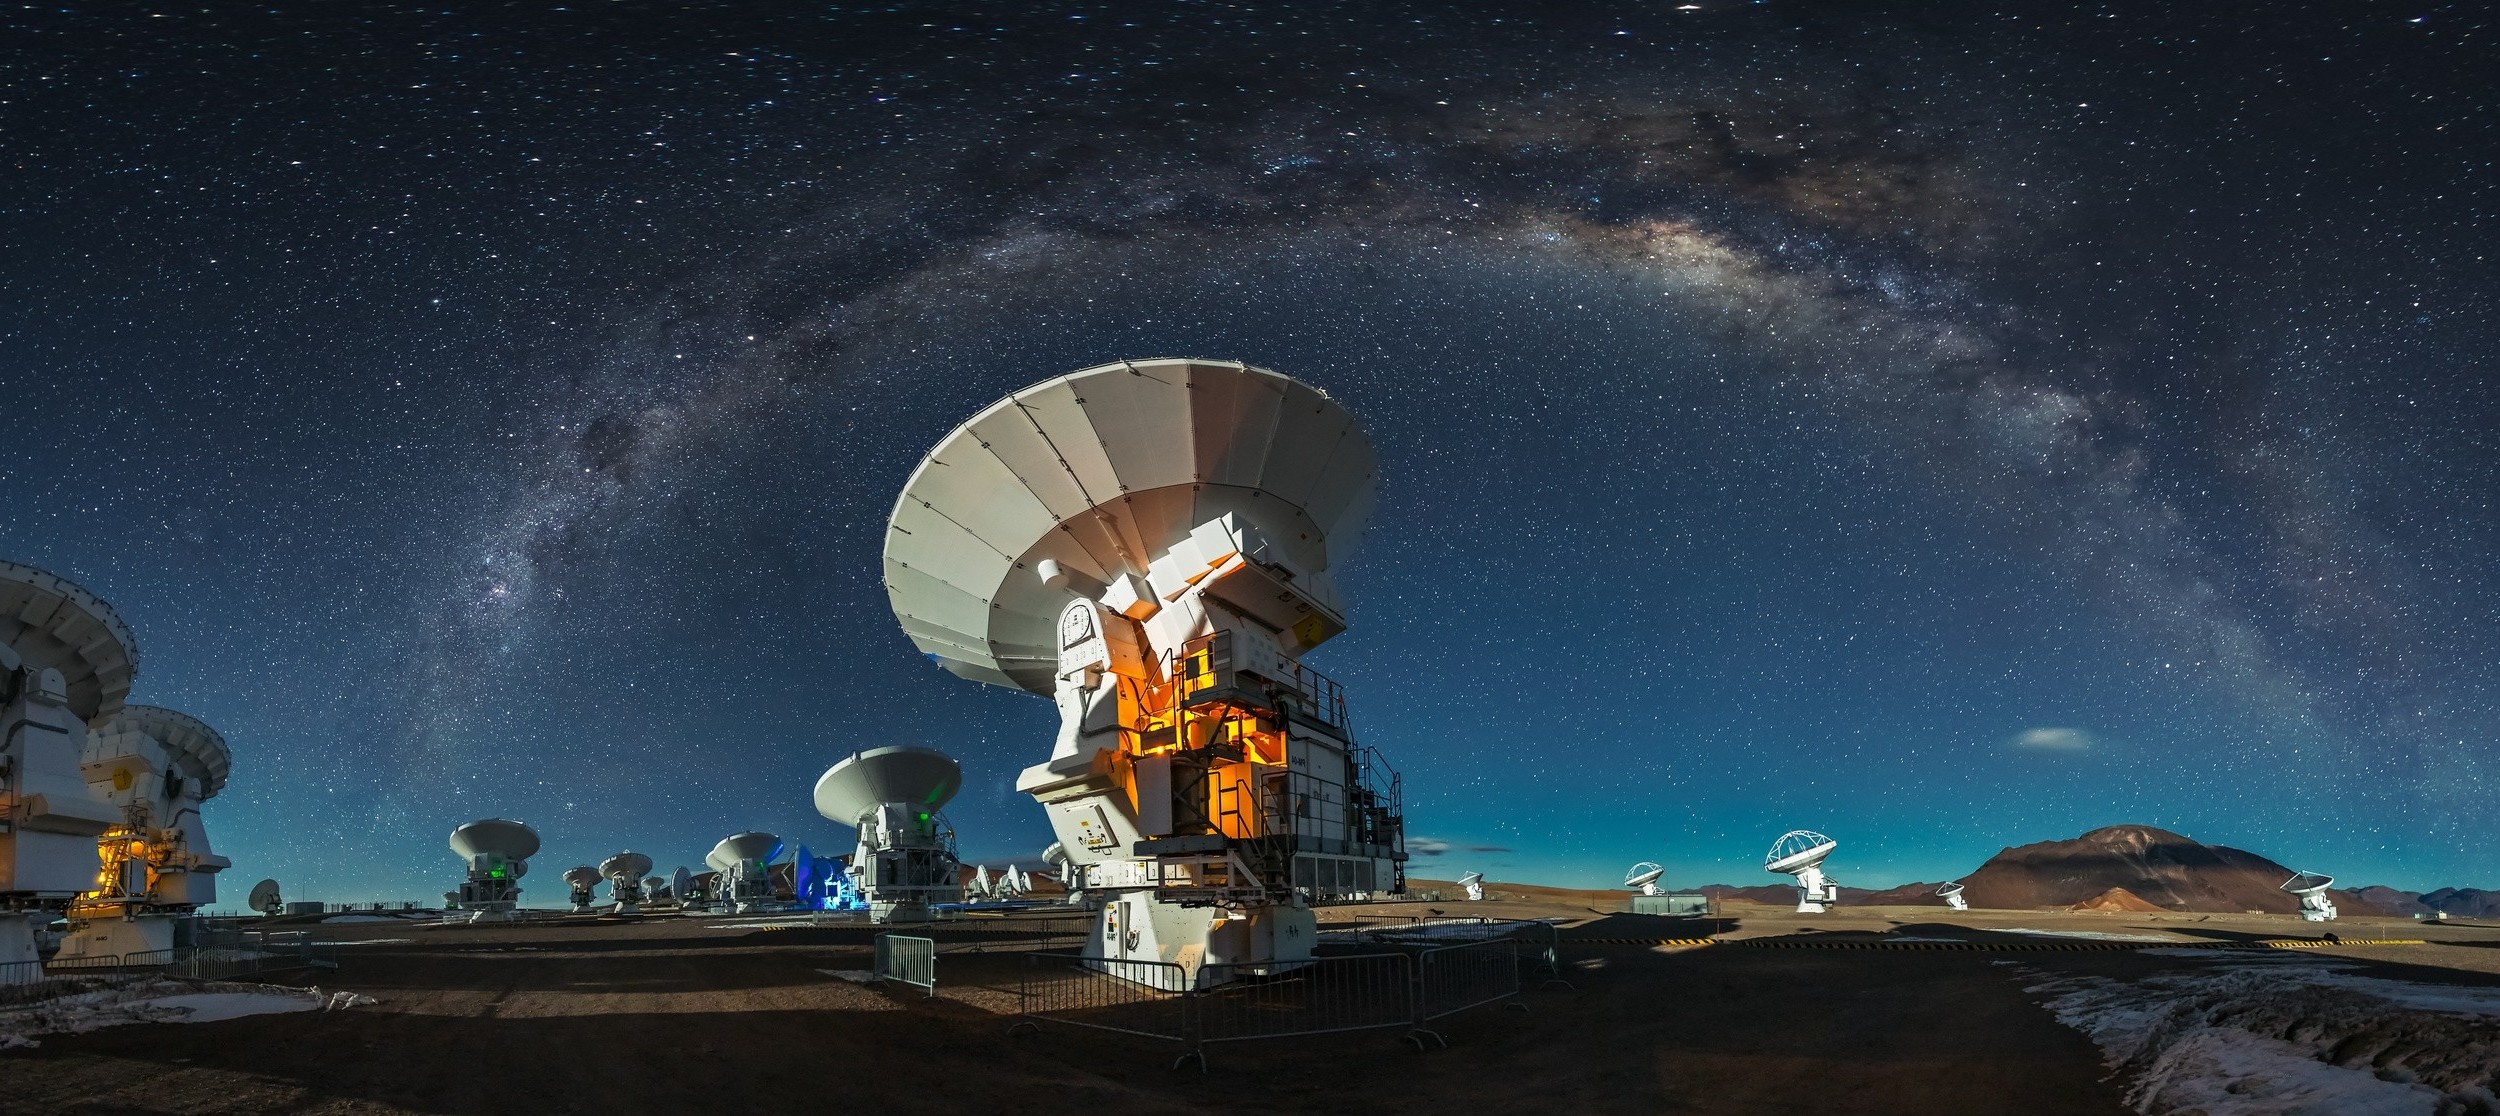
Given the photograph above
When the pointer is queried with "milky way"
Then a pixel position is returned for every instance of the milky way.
(684, 298)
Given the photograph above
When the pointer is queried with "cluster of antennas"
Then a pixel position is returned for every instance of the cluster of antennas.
(103, 822)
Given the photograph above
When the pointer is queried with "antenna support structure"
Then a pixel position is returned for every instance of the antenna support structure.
(1148, 543)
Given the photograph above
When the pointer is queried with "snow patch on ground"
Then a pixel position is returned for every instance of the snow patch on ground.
(159, 1000)
(2288, 1036)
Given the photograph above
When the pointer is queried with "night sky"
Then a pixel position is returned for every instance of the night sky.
(1942, 426)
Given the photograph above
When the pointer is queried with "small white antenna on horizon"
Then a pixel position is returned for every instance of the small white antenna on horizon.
(1800, 853)
(1951, 893)
(266, 900)
(1474, 883)
(1645, 876)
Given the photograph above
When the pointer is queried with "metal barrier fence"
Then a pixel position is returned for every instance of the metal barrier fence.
(1230, 1003)
(1451, 979)
(1329, 994)
(905, 959)
(1126, 997)
(25, 982)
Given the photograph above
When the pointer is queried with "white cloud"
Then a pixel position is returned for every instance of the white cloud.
(2053, 740)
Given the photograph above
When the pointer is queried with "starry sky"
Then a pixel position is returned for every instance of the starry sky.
(1943, 426)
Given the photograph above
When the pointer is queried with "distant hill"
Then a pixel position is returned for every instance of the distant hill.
(2455, 902)
(2156, 867)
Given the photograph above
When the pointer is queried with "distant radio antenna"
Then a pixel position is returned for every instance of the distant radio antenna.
(497, 853)
(266, 900)
(905, 860)
(1474, 883)
(581, 880)
(624, 873)
(745, 864)
(1800, 853)
(1952, 895)
(2311, 888)
(1645, 876)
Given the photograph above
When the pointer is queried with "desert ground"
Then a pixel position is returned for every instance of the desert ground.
(696, 1014)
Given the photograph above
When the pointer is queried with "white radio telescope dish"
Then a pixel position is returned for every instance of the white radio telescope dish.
(922, 777)
(1474, 883)
(744, 861)
(624, 873)
(1645, 876)
(265, 898)
(1098, 471)
(496, 837)
(1951, 893)
(581, 879)
(1800, 853)
(497, 852)
(905, 859)
(2311, 888)
(51, 624)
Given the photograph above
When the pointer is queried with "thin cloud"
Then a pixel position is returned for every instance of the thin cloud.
(2053, 740)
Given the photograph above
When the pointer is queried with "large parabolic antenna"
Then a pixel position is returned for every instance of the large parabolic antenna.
(66, 661)
(1645, 876)
(156, 767)
(1101, 471)
(905, 859)
(1149, 543)
(744, 861)
(1800, 853)
(2311, 888)
(497, 852)
(922, 777)
(53, 624)
(1951, 893)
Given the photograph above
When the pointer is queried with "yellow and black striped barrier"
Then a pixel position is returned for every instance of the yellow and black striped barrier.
(1992, 945)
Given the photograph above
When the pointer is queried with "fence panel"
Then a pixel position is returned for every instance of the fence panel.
(1127, 997)
(1323, 996)
(907, 960)
(1452, 979)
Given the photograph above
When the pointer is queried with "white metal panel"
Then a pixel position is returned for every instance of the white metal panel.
(1308, 427)
(966, 484)
(1235, 419)
(1279, 522)
(917, 594)
(1056, 413)
(1141, 413)
(1007, 431)
(941, 548)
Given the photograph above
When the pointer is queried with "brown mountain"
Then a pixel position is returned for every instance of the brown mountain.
(1906, 895)
(2114, 899)
(2164, 869)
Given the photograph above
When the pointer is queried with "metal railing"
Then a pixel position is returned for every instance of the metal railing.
(905, 959)
(1330, 994)
(1407, 988)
